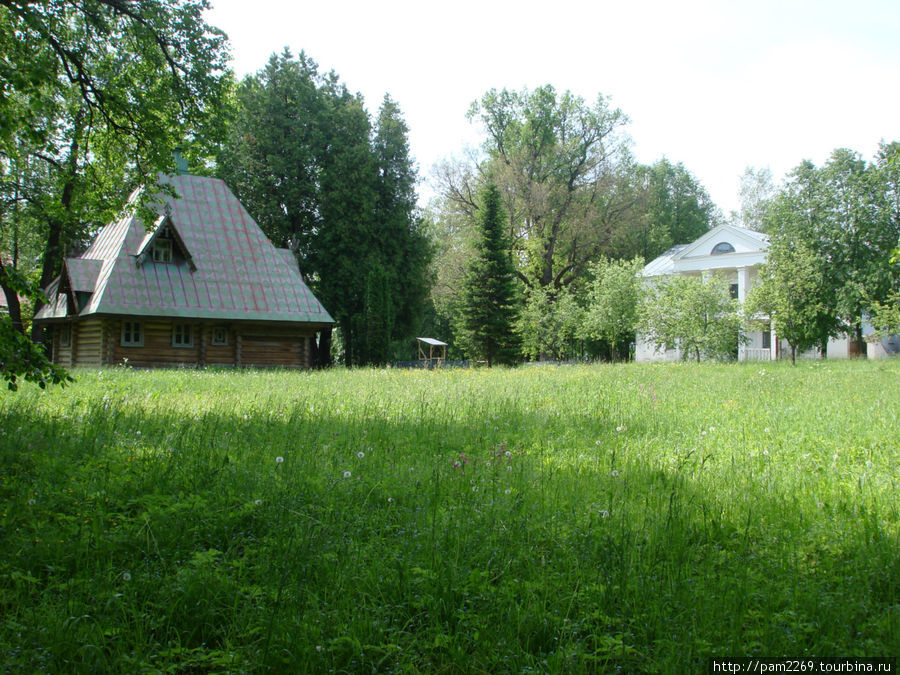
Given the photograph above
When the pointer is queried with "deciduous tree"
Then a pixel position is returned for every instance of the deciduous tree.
(613, 299)
(696, 314)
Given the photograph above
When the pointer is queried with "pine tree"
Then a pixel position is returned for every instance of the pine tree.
(490, 294)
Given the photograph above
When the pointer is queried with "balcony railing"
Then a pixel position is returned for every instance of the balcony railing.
(755, 354)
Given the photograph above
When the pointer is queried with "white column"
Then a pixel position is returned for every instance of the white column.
(743, 283)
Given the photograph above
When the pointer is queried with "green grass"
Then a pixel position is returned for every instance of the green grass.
(639, 518)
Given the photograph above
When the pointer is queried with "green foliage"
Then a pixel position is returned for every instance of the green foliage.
(847, 212)
(96, 94)
(613, 300)
(557, 160)
(789, 291)
(542, 519)
(303, 159)
(20, 358)
(696, 314)
(548, 325)
(490, 300)
(671, 207)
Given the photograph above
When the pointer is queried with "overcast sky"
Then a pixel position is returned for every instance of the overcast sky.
(717, 85)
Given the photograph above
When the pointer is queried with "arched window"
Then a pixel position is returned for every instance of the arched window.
(722, 247)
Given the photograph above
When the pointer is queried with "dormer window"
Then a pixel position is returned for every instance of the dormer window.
(722, 247)
(162, 250)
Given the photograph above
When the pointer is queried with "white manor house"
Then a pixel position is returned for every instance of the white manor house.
(736, 254)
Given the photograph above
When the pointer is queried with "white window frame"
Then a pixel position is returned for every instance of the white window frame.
(179, 339)
(132, 334)
(162, 251)
(219, 337)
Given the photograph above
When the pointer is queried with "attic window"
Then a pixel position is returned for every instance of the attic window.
(162, 250)
(722, 247)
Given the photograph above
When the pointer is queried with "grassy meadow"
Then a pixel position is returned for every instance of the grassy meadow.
(630, 518)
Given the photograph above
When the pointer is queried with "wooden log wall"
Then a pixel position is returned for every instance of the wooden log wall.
(87, 336)
(257, 345)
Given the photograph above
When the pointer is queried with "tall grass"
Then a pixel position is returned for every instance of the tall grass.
(640, 518)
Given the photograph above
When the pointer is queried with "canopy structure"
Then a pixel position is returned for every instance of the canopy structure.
(436, 351)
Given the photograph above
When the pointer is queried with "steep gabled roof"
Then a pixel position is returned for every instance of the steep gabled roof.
(231, 270)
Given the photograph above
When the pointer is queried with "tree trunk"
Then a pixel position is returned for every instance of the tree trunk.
(12, 301)
(793, 356)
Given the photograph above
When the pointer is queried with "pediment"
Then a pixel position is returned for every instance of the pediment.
(740, 239)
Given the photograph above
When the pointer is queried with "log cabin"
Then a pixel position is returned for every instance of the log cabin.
(202, 286)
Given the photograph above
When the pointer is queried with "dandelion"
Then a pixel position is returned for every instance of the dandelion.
(360, 454)
(257, 502)
(604, 513)
(620, 429)
(347, 474)
(615, 474)
(507, 491)
(126, 576)
(390, 500)
(767, 430)
(279, 459)
(712, 428)
(31, 502)
(508, 453)
(703, 433)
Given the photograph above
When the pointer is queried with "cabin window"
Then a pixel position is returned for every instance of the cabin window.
(219, 336)
(65, 335)
(733, 291)
(182, 335)
(132, 334)
(162, 250)
(767, 339)
(722, 247)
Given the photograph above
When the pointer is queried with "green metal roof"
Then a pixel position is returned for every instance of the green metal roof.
(232, 272)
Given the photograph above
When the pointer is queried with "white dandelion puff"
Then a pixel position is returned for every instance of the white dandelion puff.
(126, 576)
(347, 474)
(279, 459)
(615, 473)
(360, 454)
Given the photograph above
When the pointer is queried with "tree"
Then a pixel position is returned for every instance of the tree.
(845, 211)
(303, 158)
(757, 191)
(694, 313)
(96, 94)
(404, 245)
(548, 324)
(613, 299)
(789, 292)
(19, 356)
(558, 162)
(490, 294)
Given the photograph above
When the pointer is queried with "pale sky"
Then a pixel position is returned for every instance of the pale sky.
(718, 86)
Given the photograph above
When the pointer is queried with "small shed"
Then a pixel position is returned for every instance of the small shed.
(432, 352)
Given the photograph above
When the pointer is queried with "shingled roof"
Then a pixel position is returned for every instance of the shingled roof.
(227, 268)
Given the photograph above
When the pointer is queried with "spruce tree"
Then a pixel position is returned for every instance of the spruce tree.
(490, 294)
